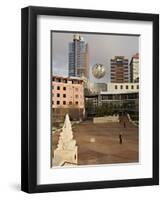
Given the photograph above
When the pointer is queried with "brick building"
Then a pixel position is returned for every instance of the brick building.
(67, 97)
(119, 70)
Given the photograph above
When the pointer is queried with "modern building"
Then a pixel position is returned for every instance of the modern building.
(120, 92)
(122, 97)
(122, 88)
(67, 97)
(119, 70)
(134, 68)
(78, 57)
(96, 88)
(121, 102)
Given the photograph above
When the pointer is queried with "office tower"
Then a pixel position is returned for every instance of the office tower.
(119, 70)
(78, 57)
(134, 68)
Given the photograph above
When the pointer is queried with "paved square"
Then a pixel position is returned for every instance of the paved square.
(99, 143)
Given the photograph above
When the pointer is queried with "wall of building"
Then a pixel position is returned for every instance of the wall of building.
(119, 70)
(67, 93)
(122, 87)
(134, 68)
(67, 97)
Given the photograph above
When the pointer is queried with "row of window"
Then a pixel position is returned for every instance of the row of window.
(64, 102)
(64, 95)
(119, 71)
(120, 97)
(126, 87)
(58, 95)
(59, 87)
(60, 80)
(64, 88)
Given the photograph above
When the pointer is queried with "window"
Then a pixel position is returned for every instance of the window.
(137, 86)
(75, 82)
(58, 80)
(58, 95)
(58, 102)
(64, 81)
(132, 87)
(121, 87)
(70, 103)
(105, 97)
(76, 96)
(76, 103)
(116, 87)
(70, 81)
(64, 95)
(64, 102)
(58, 87)
(64, 88)
(126, 87)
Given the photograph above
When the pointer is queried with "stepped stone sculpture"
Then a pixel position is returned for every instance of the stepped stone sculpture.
(67, 150)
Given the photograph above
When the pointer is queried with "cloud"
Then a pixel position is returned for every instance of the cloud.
(101, 49)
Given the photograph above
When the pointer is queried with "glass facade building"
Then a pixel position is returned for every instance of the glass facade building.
(78, 57)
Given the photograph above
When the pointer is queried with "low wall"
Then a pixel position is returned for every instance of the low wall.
(130, 120)
(58, 115)
(106, 119)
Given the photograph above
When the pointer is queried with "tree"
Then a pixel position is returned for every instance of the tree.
(104, 109)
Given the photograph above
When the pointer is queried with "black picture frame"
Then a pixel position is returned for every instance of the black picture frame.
(29, 99)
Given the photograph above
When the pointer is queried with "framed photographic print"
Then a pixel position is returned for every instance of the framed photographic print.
(90, 99)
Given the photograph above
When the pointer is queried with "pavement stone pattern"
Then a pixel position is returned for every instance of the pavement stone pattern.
(99, 143)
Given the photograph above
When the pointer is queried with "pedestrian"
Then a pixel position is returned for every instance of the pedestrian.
(120, 138)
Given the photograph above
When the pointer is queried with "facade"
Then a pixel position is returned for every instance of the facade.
(67, 98)
(78, 57)
(125, 102)
(124, 96)
(122, 88)
(119, 70)
(120, 102)
(96, 88)
(119, 97)
(134, 68)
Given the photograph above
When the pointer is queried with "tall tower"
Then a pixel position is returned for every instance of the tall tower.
(134, 68)
(119, 70)
(78, 57)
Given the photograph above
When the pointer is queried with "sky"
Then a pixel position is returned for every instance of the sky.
(102, 47)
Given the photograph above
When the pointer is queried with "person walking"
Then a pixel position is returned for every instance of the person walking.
(120, 138)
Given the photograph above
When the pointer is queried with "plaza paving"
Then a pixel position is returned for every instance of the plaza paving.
(99, 143)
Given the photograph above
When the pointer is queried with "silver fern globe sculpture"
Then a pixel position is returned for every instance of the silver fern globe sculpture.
(98, 71)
